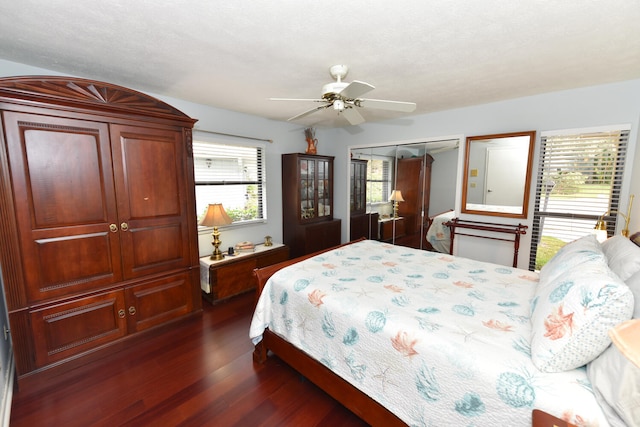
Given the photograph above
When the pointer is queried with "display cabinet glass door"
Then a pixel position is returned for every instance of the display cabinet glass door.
(324, 189)
(358, 186)
(307, 188)
(315, 188)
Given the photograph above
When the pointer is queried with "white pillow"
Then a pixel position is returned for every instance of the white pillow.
(572, 314)
(615, 379)
(584, 249)
(633, 283)
(623, 256)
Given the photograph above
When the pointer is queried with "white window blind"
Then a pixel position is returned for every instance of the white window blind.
(232, 175)
(579, 179)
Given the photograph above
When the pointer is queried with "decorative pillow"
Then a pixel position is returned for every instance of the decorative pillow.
(584, 249)
(623, 256)
(572, 314)
(615, 376)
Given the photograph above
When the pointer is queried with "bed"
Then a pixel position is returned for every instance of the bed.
(408, 337)
(438, 237)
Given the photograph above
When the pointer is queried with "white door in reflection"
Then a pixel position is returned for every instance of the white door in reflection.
(505, 177)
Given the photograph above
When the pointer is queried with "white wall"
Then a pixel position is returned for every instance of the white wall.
(616, 103)
(443, 194)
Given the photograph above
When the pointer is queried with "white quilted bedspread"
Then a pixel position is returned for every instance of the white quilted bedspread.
(439, 340)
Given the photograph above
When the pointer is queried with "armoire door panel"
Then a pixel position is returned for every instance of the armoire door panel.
(56, 187)
(72, 264)
(71, 328)
(153, 247)
(59, 195)
(151, 169)
(148, 167)
(156, 302)
(62, 170)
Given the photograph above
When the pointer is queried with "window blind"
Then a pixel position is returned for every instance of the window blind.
(378, 180)
(579, 179)
(232, 175)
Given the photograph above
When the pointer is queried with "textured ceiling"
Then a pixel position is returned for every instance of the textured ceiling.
(237, 54)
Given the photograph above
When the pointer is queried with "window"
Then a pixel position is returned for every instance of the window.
(232, 175)
(378, 180)
(579, 179)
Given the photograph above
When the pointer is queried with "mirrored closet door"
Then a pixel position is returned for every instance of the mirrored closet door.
(392, 189)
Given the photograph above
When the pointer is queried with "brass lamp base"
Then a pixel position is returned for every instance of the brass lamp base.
(217, 254)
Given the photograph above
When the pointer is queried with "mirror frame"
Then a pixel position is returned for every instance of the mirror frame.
(527, 185)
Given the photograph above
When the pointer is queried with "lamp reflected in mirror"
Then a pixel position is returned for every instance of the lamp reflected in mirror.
(215, 217)
(395, 197)
(601, 225)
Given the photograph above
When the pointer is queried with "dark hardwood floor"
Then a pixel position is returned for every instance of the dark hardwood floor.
(199, 372)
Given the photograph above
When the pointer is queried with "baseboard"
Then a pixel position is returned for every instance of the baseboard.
(7, 395)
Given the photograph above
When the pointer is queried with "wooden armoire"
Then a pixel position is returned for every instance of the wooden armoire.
(98, 232)
(413, 178)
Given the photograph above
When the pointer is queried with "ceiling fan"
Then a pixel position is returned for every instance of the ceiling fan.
(345, 98)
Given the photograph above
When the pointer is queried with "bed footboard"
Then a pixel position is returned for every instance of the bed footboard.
(349, 396)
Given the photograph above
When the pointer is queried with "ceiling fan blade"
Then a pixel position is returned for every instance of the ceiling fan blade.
(355, 89)
(306, 113)
(405, 107)
(352, 115)
(296, 99)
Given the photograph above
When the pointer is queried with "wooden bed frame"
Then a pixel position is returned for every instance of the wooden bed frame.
(348, 395)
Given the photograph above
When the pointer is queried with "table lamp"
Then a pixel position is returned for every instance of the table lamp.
(215, 217)
(601, 225)
(395, 197)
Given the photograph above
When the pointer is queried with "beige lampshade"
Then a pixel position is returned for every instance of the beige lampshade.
(396, 196)
(215, 216)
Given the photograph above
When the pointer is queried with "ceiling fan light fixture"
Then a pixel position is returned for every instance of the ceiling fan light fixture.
(346, 98)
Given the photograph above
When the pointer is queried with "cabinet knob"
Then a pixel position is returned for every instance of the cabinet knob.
(124, 226)
(113, 228)
(132, 310)
(121, 313)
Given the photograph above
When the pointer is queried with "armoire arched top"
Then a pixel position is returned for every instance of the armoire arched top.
(70, 93)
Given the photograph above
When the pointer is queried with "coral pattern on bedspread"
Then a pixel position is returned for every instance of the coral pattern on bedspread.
(437, 339)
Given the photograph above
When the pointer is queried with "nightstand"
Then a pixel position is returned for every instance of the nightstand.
(542, 419)
(233, 275)
(387, 226)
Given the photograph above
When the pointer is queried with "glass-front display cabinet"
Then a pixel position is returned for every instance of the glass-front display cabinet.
(315, 187)
(307, 203)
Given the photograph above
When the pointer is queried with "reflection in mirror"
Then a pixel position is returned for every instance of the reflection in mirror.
(405, 168)
(498, 174)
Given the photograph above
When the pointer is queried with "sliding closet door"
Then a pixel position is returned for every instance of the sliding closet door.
(413, 182)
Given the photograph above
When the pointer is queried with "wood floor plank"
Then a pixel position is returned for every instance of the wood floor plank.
(197, 373)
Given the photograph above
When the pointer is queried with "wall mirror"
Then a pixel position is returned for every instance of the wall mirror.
(497, 174)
